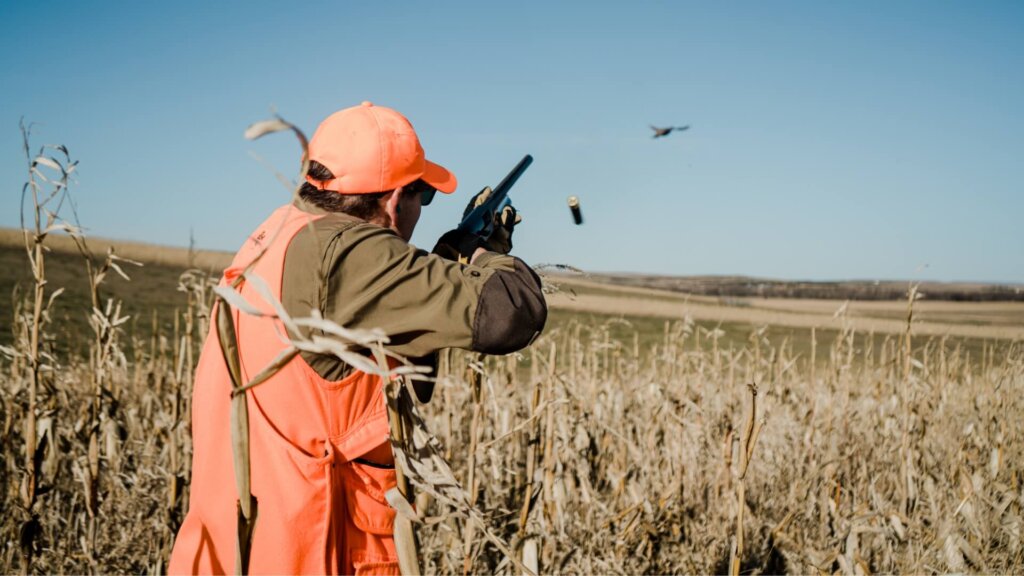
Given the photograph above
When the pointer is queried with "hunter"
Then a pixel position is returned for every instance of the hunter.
(320, 455)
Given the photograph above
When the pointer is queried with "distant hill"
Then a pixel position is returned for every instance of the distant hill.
(152, 298)
(744, 286)
(722, 286)
(140, 251)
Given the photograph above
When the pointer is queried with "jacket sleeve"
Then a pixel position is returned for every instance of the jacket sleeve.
(425, 303)
(511, 310)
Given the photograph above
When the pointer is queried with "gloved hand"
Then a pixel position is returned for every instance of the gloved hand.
(477, 200)
(455, 244)
(500, 240)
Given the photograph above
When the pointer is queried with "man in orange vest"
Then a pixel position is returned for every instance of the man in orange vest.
(319, 450)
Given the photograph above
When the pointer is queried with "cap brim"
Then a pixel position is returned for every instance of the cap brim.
(439, 177)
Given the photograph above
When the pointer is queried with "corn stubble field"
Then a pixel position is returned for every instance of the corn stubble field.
(587, 453)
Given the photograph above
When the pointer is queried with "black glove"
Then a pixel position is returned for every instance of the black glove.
(455, 244)
(477, 200)
(500, 240)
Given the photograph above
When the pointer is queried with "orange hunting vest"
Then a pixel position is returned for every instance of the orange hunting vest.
(318, 511)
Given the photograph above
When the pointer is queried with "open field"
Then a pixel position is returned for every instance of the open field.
(152, 285)
(741, 286)
(153, 289)
(153, 254)
(627, 439)
(997, 320)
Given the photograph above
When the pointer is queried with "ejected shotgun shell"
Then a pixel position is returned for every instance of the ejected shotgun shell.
(574, 206)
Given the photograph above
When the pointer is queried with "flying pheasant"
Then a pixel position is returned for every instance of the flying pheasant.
(659, 132)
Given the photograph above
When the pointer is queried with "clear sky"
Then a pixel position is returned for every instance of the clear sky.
(829, 140)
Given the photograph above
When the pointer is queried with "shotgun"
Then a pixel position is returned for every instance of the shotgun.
(480, 220)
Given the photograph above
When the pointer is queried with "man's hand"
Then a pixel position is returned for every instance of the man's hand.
(501, 238)
(477, 200)
(456, 244)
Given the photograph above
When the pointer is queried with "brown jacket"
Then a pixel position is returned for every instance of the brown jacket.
(361, 275)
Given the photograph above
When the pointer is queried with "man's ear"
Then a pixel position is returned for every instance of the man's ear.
(390, 204)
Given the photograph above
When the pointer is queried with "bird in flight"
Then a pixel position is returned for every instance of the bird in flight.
(659, 132)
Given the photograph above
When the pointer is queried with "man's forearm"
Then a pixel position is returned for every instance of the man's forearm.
(511, 311)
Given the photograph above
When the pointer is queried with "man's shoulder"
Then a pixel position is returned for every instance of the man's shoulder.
(334, 235)
(327, 227)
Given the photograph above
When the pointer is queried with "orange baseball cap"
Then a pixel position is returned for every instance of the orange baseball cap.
(373, 149)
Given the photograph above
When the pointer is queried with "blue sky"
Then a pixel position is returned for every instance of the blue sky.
(829, 140)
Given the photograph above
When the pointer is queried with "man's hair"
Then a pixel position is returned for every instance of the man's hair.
(365, 206)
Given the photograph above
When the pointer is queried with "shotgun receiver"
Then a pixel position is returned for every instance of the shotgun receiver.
(480, 220)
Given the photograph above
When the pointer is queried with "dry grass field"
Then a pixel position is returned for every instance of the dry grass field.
(985, 320)
(645, 432)
(861, 290)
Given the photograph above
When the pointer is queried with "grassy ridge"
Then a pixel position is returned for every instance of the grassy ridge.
(976, 320)
(651, 331)
(741, 286)
(152, 290)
